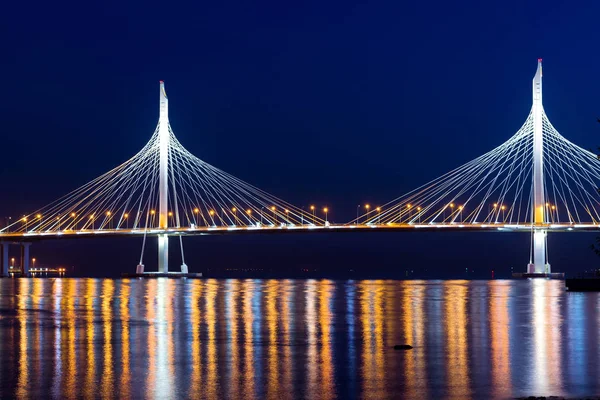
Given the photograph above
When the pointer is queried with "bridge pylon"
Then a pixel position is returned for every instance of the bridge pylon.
(164, 138)
(538, 263)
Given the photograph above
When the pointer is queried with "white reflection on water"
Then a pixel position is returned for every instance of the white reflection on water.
(72, 338)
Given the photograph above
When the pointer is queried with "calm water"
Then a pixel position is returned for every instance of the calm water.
(296, 339)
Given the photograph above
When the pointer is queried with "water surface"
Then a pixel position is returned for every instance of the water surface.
(73, 338)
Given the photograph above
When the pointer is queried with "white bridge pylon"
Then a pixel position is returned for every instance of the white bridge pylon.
(536, 180)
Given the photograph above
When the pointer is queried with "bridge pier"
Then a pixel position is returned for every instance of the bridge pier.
(4, 259)
(25, 258)
(163, 253)
(538, 264)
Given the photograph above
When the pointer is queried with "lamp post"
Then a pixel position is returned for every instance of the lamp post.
(126, 218)
(367, 206)
(196, 211)
(357, 208)
(326, 210)
(419, 214)
(25, 221)
(74, 223)
(378, 215)
(274, 215)
(312, 208)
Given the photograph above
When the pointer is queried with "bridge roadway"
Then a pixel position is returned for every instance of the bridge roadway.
(33, 236)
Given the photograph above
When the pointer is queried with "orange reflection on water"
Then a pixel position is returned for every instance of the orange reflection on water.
(23, 378)
(90, 378)
(371, 315)
(457, 363)
(232, 320)
(151, 318)
(271, 318)
(71, 373)
(37, 345)
(414, 331)
(125, 388)
(325, 316)
(212, 383)
(286, 340)
(195, 389)
(311, 327)
(499, 338)
(249, 373)
(107, 379)
(58, 373)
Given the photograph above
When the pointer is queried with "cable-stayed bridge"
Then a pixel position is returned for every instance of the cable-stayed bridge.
(537, 181)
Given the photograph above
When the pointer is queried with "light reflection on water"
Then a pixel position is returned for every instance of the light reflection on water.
(277, 339)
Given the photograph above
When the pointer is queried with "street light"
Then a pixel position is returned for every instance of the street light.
(367, 206)
(503, 208)
(287, 215)
(378, 215)
(357, 208)
(196, 211)
(25, 220)
(33, 262)
(419, 215)
(274, 214)
(326, 210)
(312, 208)
(126, 218)
(91, 222)
(73, 216)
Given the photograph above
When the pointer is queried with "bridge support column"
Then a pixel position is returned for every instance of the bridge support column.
(539, 264)
(25, 258)
(4, 260)
(163, 253)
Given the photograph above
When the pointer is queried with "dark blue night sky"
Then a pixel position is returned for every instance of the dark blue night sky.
(332, 103)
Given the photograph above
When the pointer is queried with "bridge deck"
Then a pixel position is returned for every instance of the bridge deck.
(229, 230)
